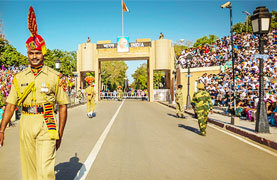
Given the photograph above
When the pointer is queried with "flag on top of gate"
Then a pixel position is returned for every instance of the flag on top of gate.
(124, 7)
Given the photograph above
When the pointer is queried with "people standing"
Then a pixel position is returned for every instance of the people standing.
(79, 95)
(202, 104)
(179, 102)
(37, 89)
(90, 93)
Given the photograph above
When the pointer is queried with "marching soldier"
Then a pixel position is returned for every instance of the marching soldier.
(120, 92)
(179, 102)
(90, 93)
(202, 104)
(37, 89)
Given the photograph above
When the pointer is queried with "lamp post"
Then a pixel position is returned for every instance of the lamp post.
(261, 20)
(246, 23)
(188, 59)
(229, 6)
(58, 64)
(174, 85)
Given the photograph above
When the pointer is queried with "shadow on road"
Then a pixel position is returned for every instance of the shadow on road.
(69, 170)
(172, 115)
(192, 129)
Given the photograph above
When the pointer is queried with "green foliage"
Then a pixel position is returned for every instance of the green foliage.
(179, 48)
(241, 27)
(10, 56)
(274, 20)
(68, 60)
(205, 40)
(158, 78)
(113, 73)
(140, 77)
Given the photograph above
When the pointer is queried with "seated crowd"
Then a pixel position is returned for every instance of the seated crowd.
(246, 77)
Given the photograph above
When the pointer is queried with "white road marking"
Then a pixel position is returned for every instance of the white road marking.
(83, 172)
(235, 136)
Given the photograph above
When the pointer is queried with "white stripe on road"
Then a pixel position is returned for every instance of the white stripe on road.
(235, 136)
(83, 172)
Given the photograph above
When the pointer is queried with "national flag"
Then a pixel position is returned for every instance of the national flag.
(124, 7)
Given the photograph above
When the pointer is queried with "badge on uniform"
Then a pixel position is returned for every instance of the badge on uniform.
(44, 88)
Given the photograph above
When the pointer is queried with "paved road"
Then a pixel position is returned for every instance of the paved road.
(145, 142)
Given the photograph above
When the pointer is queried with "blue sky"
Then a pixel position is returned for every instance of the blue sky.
(65, 24)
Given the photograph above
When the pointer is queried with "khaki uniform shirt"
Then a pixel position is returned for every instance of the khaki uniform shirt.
(179, 96)
(90, 91)
(46, 90)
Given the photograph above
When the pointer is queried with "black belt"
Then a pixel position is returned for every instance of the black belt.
(33, 110)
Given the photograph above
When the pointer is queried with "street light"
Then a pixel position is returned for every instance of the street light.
(229, 5)
(58, 64)
(174, 84)
(246, 23)
(261, 20)
(188, 60)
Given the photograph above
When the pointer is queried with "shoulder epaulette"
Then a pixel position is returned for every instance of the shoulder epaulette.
(53, 71)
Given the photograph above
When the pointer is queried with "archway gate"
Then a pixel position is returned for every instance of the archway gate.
(158, 53)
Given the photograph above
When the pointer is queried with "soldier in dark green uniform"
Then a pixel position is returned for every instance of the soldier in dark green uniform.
(179, 102)
(202, 104)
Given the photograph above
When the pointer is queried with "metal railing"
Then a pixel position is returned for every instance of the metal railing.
(126, 95)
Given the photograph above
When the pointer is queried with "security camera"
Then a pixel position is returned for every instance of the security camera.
(226, 5)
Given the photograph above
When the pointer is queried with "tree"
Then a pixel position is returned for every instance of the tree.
(158, 78)
(68, 60)
(113, 73)
(10, 56)
(205, 40)
(179, 48)
(140, 77)
(274, 20)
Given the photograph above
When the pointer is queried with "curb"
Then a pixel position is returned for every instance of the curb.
(251, 136)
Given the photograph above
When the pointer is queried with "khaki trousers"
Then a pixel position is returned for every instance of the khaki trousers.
(90, 104)
(37, 150)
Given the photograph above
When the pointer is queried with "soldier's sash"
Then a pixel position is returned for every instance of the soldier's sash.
(26, 91)
(50, 120)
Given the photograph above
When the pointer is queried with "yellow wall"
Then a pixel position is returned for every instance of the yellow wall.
(196, 73)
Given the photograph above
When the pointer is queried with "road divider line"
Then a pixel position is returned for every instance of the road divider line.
(83, 172)
(235, 136)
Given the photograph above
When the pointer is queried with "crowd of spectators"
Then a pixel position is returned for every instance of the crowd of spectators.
(246, 68)
(6, 79)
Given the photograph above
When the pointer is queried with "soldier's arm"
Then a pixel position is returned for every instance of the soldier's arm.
(210, 102)
(6, 118)
(62, 118)
(193, 101)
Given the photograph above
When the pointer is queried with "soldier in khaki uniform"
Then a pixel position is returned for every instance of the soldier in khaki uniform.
(120, 92)
(202, 104)
(179, 102)
(90, 93)
(37, 89)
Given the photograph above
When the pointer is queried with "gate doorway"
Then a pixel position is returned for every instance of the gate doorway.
(159, 55)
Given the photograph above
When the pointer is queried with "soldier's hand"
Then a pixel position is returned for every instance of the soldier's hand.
(58, 143)
(2, 139)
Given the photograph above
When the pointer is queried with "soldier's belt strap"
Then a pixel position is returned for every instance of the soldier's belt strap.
(32, 110)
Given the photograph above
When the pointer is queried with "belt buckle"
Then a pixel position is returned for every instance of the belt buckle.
(33, 110)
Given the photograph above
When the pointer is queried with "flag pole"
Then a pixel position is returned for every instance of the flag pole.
(122, 17)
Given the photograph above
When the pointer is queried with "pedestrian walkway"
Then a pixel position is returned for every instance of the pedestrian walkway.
(242, 127)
